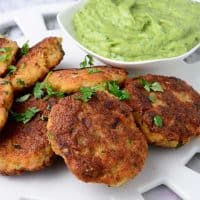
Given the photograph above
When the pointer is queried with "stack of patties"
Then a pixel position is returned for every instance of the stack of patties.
(97, 119)
(94, 129)
(23, 140)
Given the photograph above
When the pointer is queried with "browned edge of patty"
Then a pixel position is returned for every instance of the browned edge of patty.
(4, 43)
(25, 147)
(71, 80)
(179, 106)
(98, 140)
(35, 65)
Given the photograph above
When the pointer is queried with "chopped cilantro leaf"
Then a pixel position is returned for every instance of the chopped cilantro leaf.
(25, 49)
(23, 98)
(11, 69)
(114, 89)
(4, 57)
(156, 87)
(38, 90)
(152, 98)
(26, 116)
(100, 87)
(158, 121)
(5, 49)
(20, 82)
(93, 71)
(86, 94)
(88, 61)
(51, 92)
(146, 84)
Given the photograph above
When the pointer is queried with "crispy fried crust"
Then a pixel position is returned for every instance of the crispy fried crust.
(71, 80)
(98, 140)
(6, 99)
(6, 43)
(24, 147)
(179, 106)
(37, 63)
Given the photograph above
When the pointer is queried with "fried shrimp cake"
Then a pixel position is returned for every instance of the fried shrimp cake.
(98, 140)
(33, 66)
(71, 80)
(166, 108)
(6, 99)
(8, 51)
(24, 147)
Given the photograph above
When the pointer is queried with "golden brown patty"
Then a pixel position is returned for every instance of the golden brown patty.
(24, 147)
(98, 140)
(33, 66)
(6, 99)
(178, 106)
(71, 80)
(8, 53)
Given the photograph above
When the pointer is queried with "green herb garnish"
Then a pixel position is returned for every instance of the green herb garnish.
(20, 82)
(156, 87)
(86, 93)
(4, 57)
(11, 69)
(158, 121)
(114, 89)
(51, 92)
(88, 61)
(100, 86)
(38, 90)
(5, 49)
(152, 98)
(146, 84)
(26, 116)
(25, 49)
(23, 98)
(93, 71)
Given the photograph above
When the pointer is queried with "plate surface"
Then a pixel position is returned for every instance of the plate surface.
(163, 166)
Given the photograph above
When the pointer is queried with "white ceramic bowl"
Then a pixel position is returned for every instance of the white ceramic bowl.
(65, 21)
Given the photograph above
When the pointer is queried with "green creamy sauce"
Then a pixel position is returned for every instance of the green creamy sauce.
(136, 30)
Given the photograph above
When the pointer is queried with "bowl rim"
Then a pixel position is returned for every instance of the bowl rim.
(81, 3)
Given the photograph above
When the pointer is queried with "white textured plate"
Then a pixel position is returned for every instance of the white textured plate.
(163, 166)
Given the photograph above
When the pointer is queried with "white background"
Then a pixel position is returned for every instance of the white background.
(7, 5)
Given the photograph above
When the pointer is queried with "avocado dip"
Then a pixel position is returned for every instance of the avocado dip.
(138, 30)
